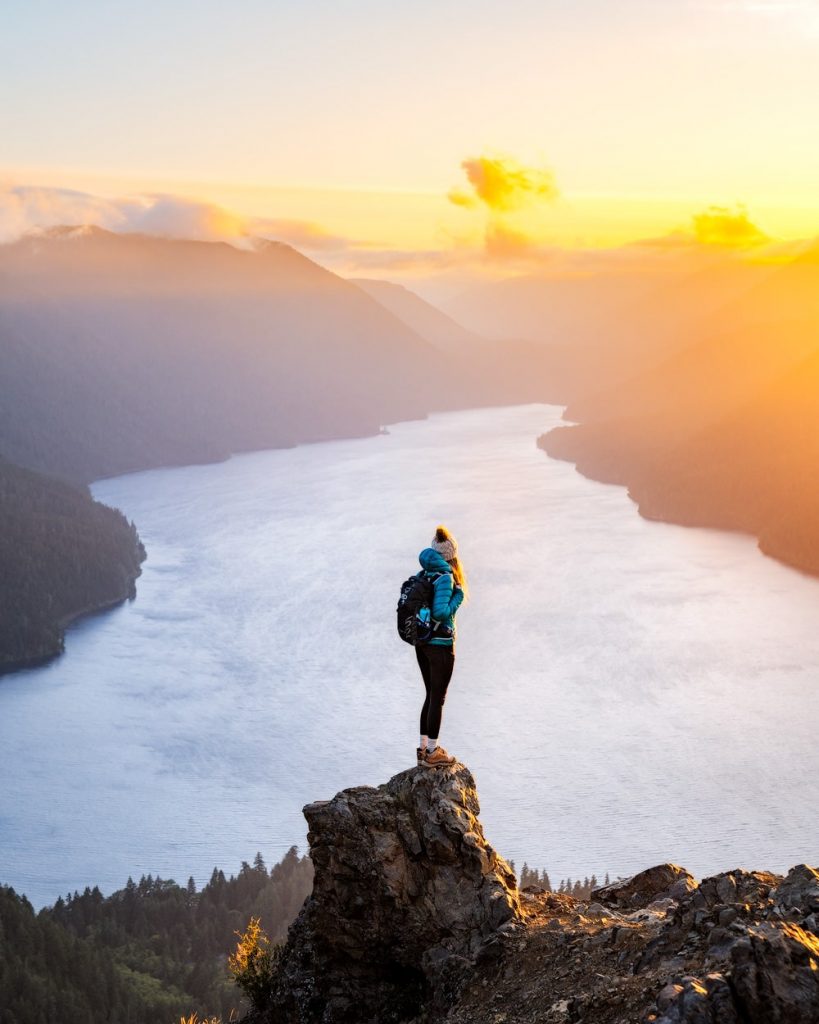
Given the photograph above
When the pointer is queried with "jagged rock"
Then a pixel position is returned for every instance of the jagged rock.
(709, 1001)
(713, 914)
(735, 888)
(773, 978)
(407, 896)
(664, 880)
(414, 918)
(798, 894)
(775, 975)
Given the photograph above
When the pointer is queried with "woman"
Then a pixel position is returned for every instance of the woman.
(436, 658)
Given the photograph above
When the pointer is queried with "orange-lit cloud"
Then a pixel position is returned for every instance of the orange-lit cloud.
(502, 184)
(490, 243)
(505, 243)
(175, 217)
(719, 225)
(502, 187)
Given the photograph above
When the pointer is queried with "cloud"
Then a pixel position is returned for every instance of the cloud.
(505, 243)
(174, 217)
(302, 234)
(502, 184)
(719, 225)
(716, 227)
(502, 187)
(26, 208)
(714, 233)
(460, 198)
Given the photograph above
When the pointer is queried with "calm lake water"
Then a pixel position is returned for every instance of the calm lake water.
(625, 692)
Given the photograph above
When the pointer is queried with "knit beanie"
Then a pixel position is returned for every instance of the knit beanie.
(447, 549)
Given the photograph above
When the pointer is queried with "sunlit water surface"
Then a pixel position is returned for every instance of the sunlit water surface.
(625, 692)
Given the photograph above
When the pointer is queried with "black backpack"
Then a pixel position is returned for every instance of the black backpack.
(415, 622)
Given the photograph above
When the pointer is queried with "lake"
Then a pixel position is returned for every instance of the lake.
(625, 692)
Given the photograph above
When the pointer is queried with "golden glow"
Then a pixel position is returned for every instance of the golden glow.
(503, 184)
(512, 220)
(719, 225)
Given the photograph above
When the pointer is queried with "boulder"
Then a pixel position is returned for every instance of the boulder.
(664, 880)
(407, 896)
(798, 894)
(735, 888)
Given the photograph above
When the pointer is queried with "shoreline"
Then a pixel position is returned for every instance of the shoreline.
(45, 657)
(64, 624)
(600, 478)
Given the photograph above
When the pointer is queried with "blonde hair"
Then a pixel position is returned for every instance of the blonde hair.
(442, 534)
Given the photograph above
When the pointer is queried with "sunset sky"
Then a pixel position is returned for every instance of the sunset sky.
(365, 131)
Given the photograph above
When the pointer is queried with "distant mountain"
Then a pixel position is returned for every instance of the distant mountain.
(625, 430)
(480, 371)
(430, 322)
(725, 432)
(594, 330)
(546, 308)
(125, 352)
(62, 555)
(729, 332)
(756, 470)
(121, 352)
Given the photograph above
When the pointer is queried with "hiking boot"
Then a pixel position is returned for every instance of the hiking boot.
(421, 754)
(438, 757)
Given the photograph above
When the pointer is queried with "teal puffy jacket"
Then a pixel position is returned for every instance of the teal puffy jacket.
(447, 597)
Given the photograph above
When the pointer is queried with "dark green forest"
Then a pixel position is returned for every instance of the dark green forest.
(154, 952)
(150, 953)
(62, 554)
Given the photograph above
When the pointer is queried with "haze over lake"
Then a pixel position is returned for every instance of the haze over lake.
(625, 692)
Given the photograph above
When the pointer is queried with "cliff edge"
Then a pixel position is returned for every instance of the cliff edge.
(406, 897)
(415, 917)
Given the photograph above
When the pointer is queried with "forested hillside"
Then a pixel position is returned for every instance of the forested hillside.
(126, 352)
(123, 352)
(723, 431)
(148, 954)
(62, 554)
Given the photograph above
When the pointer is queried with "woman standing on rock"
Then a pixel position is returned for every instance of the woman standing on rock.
(436, 658)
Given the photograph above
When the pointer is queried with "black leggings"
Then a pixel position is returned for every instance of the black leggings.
(436, 662)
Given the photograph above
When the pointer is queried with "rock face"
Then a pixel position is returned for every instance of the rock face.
(415, 918)
(771, 980)
(407, 895)
(665, 881)
(762, 967)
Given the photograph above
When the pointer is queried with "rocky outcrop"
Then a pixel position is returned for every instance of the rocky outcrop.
(414, 917)
(665, 881)
(797, 897)
(771, 979)
(408, 896)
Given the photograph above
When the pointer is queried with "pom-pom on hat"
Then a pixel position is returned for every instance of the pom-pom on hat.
(447, 548)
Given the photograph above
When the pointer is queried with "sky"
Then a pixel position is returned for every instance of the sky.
(366, 132)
